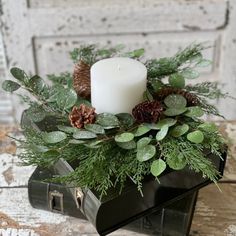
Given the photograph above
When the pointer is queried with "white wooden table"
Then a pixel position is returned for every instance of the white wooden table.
(215, 212)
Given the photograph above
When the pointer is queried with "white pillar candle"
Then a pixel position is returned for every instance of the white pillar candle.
(117, 84)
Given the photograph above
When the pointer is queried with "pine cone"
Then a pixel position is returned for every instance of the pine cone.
(81, 79)
(192, 99)
(82, 116)
(148, 112)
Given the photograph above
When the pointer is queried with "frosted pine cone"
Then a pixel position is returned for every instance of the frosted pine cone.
(192, 99)
(148, 112)
(82, 116)
(81, 79)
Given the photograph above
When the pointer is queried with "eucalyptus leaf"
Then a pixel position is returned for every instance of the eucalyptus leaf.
(36, 84)
(196, 136)
(126, 119)
(54, 137)
(19, 75)
(143, 142)
(83, 134)
(147, 96)
(146, 153)
(128, 145)
(190, 73)
(124, 137)
(204, 63)
(82, 101)
(66, 99)
(67, 129)
(38, 148)
(177, 80)
(76, 141)
(93, 144)
(10, 86)
(51, 154)
(196, 58)
(95, 128)
(162, 133)
(36, 113)
(142, 129)
(179, 130)
(135, 54)
(175, 111)
(156, 84)
(157, 167)
(176, 162)
(175, 101)
(194, 111)
(167, 121)
(208, 127)
(107, 120)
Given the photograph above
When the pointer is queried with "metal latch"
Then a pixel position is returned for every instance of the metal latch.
(56, 202)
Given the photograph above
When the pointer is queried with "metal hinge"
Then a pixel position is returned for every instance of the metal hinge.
(56, 202)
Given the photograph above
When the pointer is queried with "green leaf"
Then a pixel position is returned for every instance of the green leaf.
(126, 119)
(82, 134)
(175, 101)
(174, 111)
(54, 137)
(82, 101)
(38, 148)
(51, 155)
(36, 84)
(93, 144)
(196, 58)
(97, 129)
(10, 86)
(67, 129)
(107, 120)
(190, 74)
(124, 137)
(162, 133)
(135, 54)
(19, 74)
(176, 162)
(67, 99)
(147, 96)
(146, 153)
(208, 127)
(36, 113)
(177, 80)
(194, 111)
(143, 142)
(156, 84)
(142, 129)
(127, 145)
(195, 136)
(204, 63)
(167, 121)
(157, 167)
(179, 130)
(75, 141)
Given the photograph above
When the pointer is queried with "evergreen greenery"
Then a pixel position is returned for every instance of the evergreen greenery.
(116, 148)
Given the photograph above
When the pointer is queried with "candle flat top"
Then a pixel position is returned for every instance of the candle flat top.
(119, 69)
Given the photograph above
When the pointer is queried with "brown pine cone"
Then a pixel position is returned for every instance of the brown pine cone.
(82, 116)
(148, 112)
(192, 99)
(81, 80)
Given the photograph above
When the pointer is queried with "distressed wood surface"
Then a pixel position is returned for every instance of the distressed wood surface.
(215, 213)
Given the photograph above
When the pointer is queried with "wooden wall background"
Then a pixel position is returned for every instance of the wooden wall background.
(38, 34)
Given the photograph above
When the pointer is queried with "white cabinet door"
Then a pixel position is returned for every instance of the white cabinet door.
(38, 34)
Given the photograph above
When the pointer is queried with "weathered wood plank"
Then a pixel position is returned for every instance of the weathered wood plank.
(215, 213)
(111, 17)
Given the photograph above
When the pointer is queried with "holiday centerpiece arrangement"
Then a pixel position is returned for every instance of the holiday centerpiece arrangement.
(122, 119)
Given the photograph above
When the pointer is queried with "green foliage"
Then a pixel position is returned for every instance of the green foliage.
(10, 86)
(116, 147)
(157, 167)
